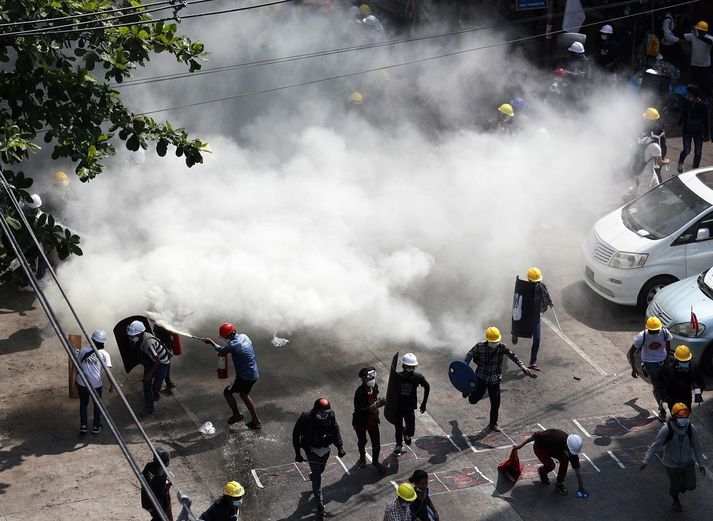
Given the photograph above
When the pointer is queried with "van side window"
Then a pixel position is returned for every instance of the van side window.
(689, 235)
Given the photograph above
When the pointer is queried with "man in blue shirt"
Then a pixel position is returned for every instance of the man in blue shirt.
(241, 349)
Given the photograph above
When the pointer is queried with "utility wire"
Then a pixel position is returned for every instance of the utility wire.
(110, 376)
(402, 64)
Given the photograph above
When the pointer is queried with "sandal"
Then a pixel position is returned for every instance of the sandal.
(534, 367)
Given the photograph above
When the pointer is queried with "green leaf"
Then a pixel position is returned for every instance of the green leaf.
(14, 223)
(133, 143)
(162, 147)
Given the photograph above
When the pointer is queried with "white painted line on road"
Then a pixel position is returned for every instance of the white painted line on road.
(441, 482)
(618, 461)
(257, 479)
(298, 470)
(467, 440)
(343, 466)
(368, 456)
(452, 442)
(582, 428)
(590, 461)
(394, 484)
(483, 475)
(540, 426)
(575, 347)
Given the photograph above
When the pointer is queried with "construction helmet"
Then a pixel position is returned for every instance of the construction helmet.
(682, 354)
(606, 29)
(506, 109)
(534, 274)
(135, 328)
(226, 329)
(576, 48)
(518, 103)
(356, 97)
(653, 324)
(364, 10)
(60, 178)
(651, 71)
(406, 492)
(651, 114)
(233, 489)
(574, 444)
(99, 335)
(492, 334)
(371, 21)
(409, 359)
(680, 409)
(36, 202)
(702, 26)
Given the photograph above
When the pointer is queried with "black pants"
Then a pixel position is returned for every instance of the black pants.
(700, 76)
(493, 394)
(697, 148)
(374, 436)
(406, 425)
(681, 479)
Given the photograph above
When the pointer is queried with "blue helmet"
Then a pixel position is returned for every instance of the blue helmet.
(518, 104)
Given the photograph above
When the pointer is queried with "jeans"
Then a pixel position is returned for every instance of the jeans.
(154, 386)
(375, 437)
(536, 333)
(681, 479)
(406, 424)
(84, 404)
(493, 394)
(654, 370)
(697, 148)
(316, 467)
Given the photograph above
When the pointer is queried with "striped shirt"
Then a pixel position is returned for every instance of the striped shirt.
(153, 348)
(489, 361)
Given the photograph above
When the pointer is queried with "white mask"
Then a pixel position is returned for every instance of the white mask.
(371, 383)
(492, 344)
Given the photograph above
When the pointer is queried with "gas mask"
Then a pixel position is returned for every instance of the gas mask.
(371, 383)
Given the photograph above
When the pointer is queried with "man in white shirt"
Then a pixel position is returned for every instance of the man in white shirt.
(654, 343)
(92, 369)
(701, 45)
(669, 42)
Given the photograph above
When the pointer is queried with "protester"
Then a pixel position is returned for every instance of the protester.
(694, 127)
(488, 357)
(314, 432)
(608, 49)
(155, 358)
(159, 483)
(422, 509)
(365, 419)
(241, 350)
(399, 508)
(543, 301)
(681, 444)
(554, 444)
(227, 507)
(681, 377)
(701, 44)
(503, 123)
(669, 42)
(408, 401)
(92, 369)
(648, 159)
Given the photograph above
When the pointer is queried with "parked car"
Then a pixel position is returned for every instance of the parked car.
(659, 238)
(673, 304)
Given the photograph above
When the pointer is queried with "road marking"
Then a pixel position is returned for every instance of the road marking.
(582, 428)
(591, 462)
(343, 466)
(452, 442)
(467, 440)
(618, 461)
(257, 479)
(540, 426)
(441, 482)
(483, 475)
(298, 470)
(575, 347)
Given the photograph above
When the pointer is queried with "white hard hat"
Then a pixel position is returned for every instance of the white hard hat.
(409, 359)
(576, 48)
(574, 444)
(606, 29)
(135, 328)
(651, 71)
(36, 202)
(99, 335)
(354, 10)
(371, 21)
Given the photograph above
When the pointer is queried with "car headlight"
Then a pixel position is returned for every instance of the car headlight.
(687, 330)
(624, 260)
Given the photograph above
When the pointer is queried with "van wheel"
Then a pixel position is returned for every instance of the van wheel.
(648, 292)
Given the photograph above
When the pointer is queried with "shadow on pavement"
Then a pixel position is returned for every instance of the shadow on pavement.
(14, 301)
(585, 306)
(21, 340)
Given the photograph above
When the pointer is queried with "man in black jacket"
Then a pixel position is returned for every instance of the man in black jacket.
(227, 506)
(159, 483)
(410, 380)
(694, 127)
(314, 432)
(365, 419)
(680, 377)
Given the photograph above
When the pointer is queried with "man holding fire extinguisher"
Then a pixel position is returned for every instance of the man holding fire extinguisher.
(241, 350)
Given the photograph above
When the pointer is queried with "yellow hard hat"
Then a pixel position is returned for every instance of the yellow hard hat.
(702, 26)
(653, 324)
(683, 354)
(364, 10)
(233, 489)
(60, 178)
(506, 109)
(680, 409)
(356, 97)
(492, 334)
(406, 492)
(534, 274)
(651, 114)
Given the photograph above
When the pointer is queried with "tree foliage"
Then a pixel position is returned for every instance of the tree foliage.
(56, 91)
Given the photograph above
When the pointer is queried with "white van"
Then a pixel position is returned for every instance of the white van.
(663, 236)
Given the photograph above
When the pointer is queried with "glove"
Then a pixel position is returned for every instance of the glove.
(341, 453)
(634, 374)
(299, 458)
(698, 398)
(423, 408)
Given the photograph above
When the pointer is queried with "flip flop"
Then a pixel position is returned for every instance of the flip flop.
(534, 367)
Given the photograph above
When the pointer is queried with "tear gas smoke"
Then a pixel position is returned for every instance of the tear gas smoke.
(398, 219)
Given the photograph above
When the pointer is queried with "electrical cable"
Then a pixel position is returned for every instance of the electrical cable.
(396, 65)
(110, 376)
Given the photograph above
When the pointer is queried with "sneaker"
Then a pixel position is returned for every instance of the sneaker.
(543, 476)
(97, 429)
(361, 462)
(407, 439)
(256, 426)
(167, 390)
(170, 385)
(379, 467)
(82, 430)
(559, 487)
(235, 418)
(320, 509)
(680, 168)
(494, 427)
(677, 506)
(398, 450)
(534, 367)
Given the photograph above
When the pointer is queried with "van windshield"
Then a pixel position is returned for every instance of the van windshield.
(705, 283)
(663, 210)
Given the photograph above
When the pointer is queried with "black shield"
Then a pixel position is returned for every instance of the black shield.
(523, 308)
(127, 349)
(393, 393)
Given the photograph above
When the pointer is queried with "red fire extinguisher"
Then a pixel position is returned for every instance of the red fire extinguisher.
(176, 344)
(222, 367)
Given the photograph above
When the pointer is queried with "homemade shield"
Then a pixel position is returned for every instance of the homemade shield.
(523, 308)
(462, 376)
(128, 350)
(393, 393)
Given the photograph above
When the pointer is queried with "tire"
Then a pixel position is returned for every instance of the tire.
(652, 287)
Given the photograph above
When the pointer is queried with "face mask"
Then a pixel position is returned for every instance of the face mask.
(371, 383)
(238, 503)
(492, 344)
(683, 366)
(322, 415)
(605, 37)
(134, 339)
(682, 422)
(410, 370)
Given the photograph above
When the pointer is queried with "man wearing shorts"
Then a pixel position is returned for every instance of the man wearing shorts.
(241, 349)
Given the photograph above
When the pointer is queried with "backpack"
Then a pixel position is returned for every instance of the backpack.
(637, 162)
(669, 436)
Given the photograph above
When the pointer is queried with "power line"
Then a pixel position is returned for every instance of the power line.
(402, 64)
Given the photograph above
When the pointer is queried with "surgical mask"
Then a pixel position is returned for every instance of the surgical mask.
(371, 383)
(492, 344)
(134, 339)
(322, 415)
(683, 366)
(682, 422)
(237, 503)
